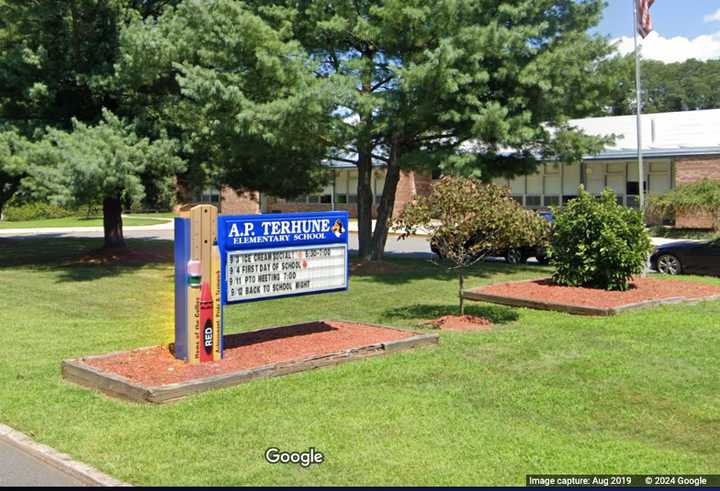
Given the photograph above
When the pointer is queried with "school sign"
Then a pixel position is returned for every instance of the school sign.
(232, 259)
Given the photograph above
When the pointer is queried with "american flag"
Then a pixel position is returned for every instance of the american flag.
(643, 18)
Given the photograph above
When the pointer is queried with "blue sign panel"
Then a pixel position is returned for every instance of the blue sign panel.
(277, 255)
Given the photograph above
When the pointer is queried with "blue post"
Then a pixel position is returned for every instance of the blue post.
(182, 256)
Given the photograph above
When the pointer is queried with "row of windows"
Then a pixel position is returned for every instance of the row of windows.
(327, 198)
(534, 201)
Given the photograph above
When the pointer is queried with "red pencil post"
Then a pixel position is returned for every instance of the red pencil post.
(206, 323)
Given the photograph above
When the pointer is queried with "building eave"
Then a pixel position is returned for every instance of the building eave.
(625, 154)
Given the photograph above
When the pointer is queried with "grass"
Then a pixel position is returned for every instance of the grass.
(92, 221)
(682, 233)
(543, 392)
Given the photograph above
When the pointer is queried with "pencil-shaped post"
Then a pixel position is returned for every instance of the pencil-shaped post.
(217, 305)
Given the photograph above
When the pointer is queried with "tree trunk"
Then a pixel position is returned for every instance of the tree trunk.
(364, 162)
(7, 191)
(386, 207)
(364, 205)
(112, 222)
(461, 279)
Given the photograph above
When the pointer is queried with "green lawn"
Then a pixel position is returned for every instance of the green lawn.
(94, 221)
(543, 392)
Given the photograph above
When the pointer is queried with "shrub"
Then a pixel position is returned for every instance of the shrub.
(598, 243)
(35, 211)
(468, 220)
(701, 196)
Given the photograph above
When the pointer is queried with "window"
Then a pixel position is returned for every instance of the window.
(551, 200)
(341, 198)
(210, 195)
(519, 199)
(326, 198)
(313, 198)
(352, 198)
(532, 201)
(633, 188)
(568, 197)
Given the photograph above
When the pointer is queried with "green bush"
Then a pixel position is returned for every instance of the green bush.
(598, 243)
(701, 196)
(36, 211)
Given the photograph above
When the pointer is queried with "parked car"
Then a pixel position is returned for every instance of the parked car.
(518, 255)
(538, 251)
(691, 257)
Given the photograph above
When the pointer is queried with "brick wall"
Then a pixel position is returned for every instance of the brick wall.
(248, 202)
(694, 220)
(239, 202)
(409, 185)
(689, 170)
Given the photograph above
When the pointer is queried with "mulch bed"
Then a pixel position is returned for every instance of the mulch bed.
(154, 375)
(157, 365)
(643, 292)
(460, 323)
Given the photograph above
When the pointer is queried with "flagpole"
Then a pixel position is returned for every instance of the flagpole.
(638, 100)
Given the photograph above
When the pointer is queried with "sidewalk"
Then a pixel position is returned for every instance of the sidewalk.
(65, 230)
(353, 228)
(24, 462)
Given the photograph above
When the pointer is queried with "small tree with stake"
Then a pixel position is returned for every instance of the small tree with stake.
(468, 220)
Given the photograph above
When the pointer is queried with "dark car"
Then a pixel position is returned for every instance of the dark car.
(521, 254)
(691, 257)
(538, 251)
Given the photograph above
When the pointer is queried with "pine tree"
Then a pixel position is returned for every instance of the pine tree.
(450, 84)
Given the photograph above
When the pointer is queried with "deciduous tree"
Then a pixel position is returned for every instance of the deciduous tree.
(467, 221)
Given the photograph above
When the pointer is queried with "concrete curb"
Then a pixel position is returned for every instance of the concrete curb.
(63, 462)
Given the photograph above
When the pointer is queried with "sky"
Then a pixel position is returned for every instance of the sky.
(682, 29)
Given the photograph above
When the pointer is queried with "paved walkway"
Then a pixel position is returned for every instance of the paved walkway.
(166, 225)
(417, 244)
(25, 462)
(17, 468)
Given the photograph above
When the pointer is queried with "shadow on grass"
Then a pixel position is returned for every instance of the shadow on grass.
(82, 259)
(495, 313)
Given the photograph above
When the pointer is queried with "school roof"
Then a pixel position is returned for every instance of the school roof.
(670, 134)
(673, 134)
